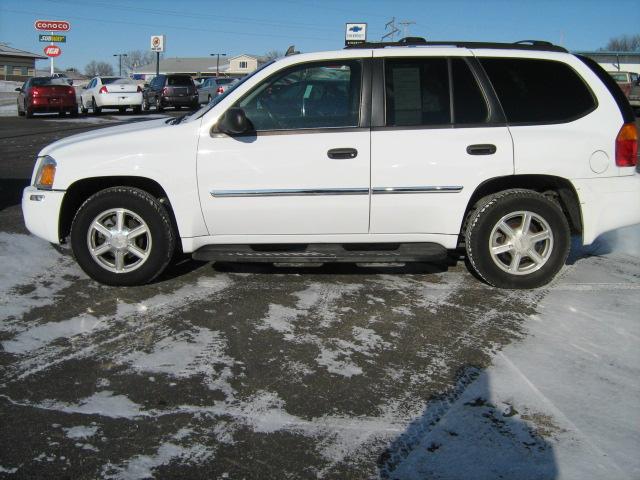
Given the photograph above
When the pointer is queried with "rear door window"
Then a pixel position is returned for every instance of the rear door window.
(417, 92)
(469, 103)
(538, 91)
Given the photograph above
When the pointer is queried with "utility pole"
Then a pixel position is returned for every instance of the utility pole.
(405, 26)
(217, 55)
(393, 30)
(120, 55)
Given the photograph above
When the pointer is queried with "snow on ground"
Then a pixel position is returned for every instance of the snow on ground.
(523, 418)
(10, 110)
(9, 86)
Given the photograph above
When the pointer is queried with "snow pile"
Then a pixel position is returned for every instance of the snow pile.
(9, 86)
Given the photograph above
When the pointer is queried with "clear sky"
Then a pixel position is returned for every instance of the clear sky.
(194, 28)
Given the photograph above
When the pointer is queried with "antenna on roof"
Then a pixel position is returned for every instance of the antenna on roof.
(291, 51)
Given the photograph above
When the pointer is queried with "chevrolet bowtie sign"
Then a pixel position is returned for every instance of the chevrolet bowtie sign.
(355, 33)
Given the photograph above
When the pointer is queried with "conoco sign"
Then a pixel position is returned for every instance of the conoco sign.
(52, 25)
(52, 51)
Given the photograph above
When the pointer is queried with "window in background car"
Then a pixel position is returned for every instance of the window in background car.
(619, 77)
(318, 95)
(224, 81)
(179, 81)
(469, 104)
(538, 91)
(417, 92)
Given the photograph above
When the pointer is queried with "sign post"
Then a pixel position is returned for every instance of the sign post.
(157, 45)
(52, 26)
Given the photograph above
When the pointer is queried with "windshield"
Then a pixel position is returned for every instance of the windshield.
(217, 99)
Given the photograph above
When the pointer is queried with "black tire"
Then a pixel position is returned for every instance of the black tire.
(145, 104)
(122, 109)
(20, 112)
(74, 112)
(178, 107)
(28, 112)
(208, 99)
(142, 204)
(195, 106)
(159, 105)
(137, 110)
(83, 109)
(96, 109)
(486, 215)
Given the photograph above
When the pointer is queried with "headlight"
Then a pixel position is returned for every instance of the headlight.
(46, 173)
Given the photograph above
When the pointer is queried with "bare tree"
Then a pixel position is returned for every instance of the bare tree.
(272, 54)
(137, 58)
(94, 68)
(624, 43)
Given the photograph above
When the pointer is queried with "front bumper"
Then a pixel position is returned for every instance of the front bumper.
(41, 211)
(608, 203)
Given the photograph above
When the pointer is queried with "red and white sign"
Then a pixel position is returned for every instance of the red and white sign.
(52, 51)
(52, 25)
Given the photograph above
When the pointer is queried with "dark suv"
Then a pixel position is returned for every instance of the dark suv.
(170, 91)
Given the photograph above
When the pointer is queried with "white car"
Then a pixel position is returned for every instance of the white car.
(111, 93)
(384, 153)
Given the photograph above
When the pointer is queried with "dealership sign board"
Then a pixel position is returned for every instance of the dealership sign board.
(52, 51)
(52, 25)
(355, 33)
(157, 43)
(53, 38)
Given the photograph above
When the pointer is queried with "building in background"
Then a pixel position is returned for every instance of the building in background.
(616, 61)
(237, 66)
(17, 65)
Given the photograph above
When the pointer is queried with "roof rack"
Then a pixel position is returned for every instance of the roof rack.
(419, 41)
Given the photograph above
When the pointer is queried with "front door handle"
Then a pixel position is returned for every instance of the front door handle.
(481, 149)
(342, 153)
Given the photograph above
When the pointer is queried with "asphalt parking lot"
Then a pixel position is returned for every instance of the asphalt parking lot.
(254, 371)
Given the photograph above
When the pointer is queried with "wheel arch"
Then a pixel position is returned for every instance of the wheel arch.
(558, 189)
(81, 190)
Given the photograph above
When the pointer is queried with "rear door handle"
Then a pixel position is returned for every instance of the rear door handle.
(481, 149)
(342, 153)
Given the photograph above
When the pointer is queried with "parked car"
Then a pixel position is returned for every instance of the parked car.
(111, 93)
(626, 80)
(212, 87)
(46, 94)
(170, 91)
(378, 153)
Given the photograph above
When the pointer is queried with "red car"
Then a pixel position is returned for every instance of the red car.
(45, 94)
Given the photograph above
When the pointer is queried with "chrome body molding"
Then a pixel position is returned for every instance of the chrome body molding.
(420, 189)
(289, 192)
(296, 192)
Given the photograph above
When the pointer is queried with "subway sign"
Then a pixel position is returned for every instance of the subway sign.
(52, 25)
(53, 38)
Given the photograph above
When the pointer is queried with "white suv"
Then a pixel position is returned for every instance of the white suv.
(388, 152)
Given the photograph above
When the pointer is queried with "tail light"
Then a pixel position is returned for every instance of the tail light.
(627, 146)
(103, 89)
(220, 90)
(139, 89)
(35, 91)
(71, 91)
(165, 91)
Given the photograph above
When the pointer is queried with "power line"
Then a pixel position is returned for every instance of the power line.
(391, 26)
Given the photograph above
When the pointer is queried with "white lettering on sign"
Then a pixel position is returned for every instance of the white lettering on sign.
(52, 51)
(52, 25)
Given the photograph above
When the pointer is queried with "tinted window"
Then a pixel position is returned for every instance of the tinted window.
(469, 105)
(180, 81)
(108, 80)
(538, 91)
(307, 96)
(223, 81)
(417, 91)
(42, 81)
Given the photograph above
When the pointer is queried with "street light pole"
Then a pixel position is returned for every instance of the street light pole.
(120, 55)
(217, 55)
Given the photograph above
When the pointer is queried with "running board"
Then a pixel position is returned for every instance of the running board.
(323, 253)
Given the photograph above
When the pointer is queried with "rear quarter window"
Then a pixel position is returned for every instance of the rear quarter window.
(538, 91)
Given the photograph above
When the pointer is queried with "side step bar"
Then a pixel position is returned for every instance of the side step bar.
(323, 253)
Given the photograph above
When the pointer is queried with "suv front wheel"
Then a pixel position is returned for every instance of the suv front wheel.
(122, 236)
(517, 239)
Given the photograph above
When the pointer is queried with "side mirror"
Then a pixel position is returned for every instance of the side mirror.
(146, 85)
(233, 122)
(18, 89)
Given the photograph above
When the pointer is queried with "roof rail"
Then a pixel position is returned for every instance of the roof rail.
(539, 45)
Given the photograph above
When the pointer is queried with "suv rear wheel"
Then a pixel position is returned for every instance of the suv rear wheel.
(122, 236)
(517, 239)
